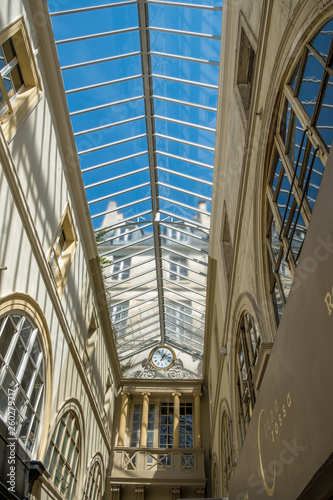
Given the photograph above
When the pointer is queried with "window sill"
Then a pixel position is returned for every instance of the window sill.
(264, 353)
(22, 106)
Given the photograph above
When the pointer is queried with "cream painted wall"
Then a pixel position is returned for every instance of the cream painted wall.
(277, 28)
(33, 195)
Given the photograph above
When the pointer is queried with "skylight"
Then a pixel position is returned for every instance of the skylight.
(141, 79)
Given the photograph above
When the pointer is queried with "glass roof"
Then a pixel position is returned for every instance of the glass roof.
(141, 80)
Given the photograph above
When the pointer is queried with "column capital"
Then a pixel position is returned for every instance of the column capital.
(146, 393)
(125, 393)
(176, 394)
(115, 488)
(197, 393)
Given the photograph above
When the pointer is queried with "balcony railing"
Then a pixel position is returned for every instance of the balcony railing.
(160, 464)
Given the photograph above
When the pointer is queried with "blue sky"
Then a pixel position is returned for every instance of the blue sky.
(119, 18)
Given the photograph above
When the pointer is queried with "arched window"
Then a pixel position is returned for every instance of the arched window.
(303, 136)
(227, 454)
(63, 454)
(248, 345)
(22, 376)
(93, 489)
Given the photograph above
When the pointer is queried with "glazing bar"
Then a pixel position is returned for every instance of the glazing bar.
(184, 58)
(184, 205)
(189, 82)
(193, 309)
(118, 193)
(109, 125)
(188, 124)
(193, 224)
(184, 103)
(197, 261)
(181, 32)
(89, 9)
(121, 223)
(180, 190)
(186, 298)
(121, 208)
(102, 84)
(185, 160)
(96, 35)
(110, 144)
(112, 162)
(185, 176)
(117, 177)
(183, 4)
(104, 106)
(181, 230)
(181, 141)
(182, 244)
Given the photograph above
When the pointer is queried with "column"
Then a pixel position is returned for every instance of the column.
(123, 417)
(200, 492)
(176, 417)
(140, 492)
(115, 492)
(197, 420)
(144, 419)
(175, 493)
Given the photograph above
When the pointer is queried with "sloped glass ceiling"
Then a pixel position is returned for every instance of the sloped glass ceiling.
(141, 79)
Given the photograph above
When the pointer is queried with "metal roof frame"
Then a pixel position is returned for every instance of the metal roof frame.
(169, 182)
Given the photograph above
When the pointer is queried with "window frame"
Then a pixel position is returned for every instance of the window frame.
(292, 163)
(90, 486)
(178, 268)
(245, 67)
(157, 403)
(121, 268)
(25, 393)
(24, 98)
(55, 452)
(245, 363)
(62, 263)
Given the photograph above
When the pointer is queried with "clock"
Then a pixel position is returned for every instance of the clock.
(162, 357)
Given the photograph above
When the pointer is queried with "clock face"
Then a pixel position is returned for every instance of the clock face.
(162, 357)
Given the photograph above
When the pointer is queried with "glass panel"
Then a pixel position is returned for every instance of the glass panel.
(315, 178)
(33, 433)
(323, 39)
(123, 200)
(20, 401)
(7, 334)
(53, 462)
(26, 331)
(311, 80)
(65, 443)
(35, 351)
(28, 374)
(324, 120)
(294, 78)
(3, 402)
(9, 382)
(285, 277)
(23, 434)
(99, 21)
(60, 430)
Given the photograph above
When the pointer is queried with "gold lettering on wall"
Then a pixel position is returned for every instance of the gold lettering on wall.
(328, 301)
(272, 425)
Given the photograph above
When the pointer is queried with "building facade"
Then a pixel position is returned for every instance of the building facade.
(264, 271)
(252, 418)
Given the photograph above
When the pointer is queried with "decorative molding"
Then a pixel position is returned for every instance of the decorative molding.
(264, 353)
(177, 371)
